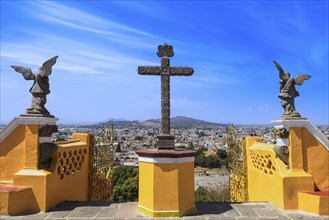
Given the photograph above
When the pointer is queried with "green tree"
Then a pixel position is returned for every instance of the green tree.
(224, 162)
(200, 160)
(201, 149)
(121, 173)
(212, 162)
(213, 194)
(200, 194)
(221, 154)
(127, 191)
(190, 146)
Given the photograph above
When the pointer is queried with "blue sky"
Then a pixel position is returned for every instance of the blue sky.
(230, 45)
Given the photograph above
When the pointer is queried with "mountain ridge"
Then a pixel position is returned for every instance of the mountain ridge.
(175, 122)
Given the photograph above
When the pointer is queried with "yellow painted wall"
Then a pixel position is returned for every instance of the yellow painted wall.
(315, 204)
(264, 186)
(166, 189)
(315, 160)
(278, 184)
(308, 171)
(294, 182)
(186, 185)
(32, 146)
(18, 201)
(49, 188)
(166, 177)
(74, 186)
(146, 185)
(37, 180)
(12, 148)
(67, 178)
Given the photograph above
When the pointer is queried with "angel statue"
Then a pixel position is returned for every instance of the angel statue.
(40, 87)
(288, 91)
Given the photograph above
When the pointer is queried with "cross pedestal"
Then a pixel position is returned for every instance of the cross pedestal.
(166, 175)
(166, 182)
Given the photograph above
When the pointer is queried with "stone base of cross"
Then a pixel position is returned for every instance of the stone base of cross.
(165, 139)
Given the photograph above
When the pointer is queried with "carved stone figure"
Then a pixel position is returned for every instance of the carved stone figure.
(47, 130)
(280, 133)
(46, 154)
(40, 87)
(288, 91)
(47, 149)
(282, 152)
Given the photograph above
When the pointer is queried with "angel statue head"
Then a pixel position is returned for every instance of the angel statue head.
(288, 92)
(39, 89)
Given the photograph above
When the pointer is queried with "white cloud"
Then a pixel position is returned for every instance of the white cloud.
(76, 18)
(74, 56)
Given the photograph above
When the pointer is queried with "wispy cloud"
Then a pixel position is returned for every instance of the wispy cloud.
(76, 18)
(101, 43)
(151, 9)
(77, 57)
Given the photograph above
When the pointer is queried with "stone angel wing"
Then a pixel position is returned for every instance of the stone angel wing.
(45, 70)
(281, 72)
(25, 71)
(300, 78)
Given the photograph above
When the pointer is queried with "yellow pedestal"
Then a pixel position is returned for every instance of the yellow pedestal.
(303, 185)
(166, 183)
(314, 202)
(25, 187)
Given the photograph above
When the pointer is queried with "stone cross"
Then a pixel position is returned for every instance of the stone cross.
(165, 139)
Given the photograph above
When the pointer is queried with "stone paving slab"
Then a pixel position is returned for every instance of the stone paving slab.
(128, 211)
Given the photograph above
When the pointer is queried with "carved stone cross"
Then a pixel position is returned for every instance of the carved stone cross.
(165, 139)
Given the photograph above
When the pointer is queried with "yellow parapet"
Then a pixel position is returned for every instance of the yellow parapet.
(166, 182)
(298, 182)
(314, 202)
(16, 199)
(12, 148)
(67, 179)
(263, 170)
(26, 187)
(31, 146)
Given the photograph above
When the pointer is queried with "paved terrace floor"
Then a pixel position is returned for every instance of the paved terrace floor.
(128, 211)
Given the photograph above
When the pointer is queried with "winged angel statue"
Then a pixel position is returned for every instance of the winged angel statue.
(288, 91)
(40, 87)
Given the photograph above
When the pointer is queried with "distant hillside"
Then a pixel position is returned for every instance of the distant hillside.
(176, 122)
(185, 122)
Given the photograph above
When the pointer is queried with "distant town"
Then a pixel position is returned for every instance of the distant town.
(129, 136)
(207, 138)
(134, 135)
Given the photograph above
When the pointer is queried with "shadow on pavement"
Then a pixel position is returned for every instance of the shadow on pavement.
(70, 205)
(206, 208)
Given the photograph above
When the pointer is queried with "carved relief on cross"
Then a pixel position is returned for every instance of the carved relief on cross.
(165, 71)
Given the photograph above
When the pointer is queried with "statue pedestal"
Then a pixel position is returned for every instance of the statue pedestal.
(37, 115)
(302, 133)
(37, 174)
(166, 182)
